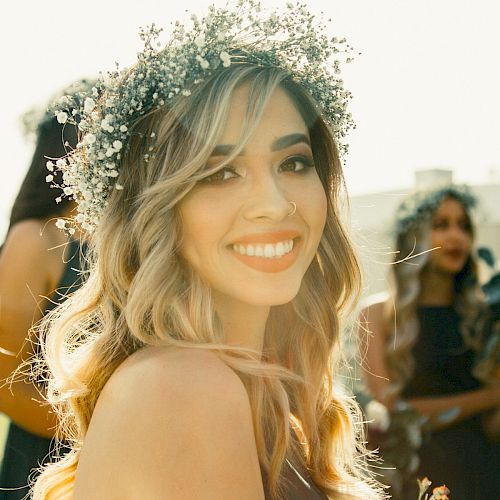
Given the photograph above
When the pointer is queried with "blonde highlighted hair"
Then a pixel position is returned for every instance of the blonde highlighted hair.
(139, 292)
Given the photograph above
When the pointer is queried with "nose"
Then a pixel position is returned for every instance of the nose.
(267, 200)
(457, 233)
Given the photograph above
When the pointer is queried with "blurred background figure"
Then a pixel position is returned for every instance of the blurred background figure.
(425, 339)
(39, 266)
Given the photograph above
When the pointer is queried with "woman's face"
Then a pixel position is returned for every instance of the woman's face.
(451, 232)
(237, 231)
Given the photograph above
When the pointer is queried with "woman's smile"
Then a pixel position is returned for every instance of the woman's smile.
(268, 252)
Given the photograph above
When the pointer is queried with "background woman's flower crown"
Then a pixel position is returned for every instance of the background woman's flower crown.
(292, 40)
(419, 207)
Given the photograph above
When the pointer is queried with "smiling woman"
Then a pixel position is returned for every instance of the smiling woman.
(197, 360)
(251, 208)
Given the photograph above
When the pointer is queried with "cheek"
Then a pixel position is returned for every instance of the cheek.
(203, 221)
(435, 239)
(315, 204)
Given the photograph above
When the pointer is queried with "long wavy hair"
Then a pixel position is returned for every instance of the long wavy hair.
(140, 292)
(412, 243)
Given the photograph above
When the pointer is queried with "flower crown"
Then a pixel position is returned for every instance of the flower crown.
(291, 40)
(422, 204)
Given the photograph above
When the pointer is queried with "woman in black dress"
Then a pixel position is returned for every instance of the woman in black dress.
(424, 339)
(39, 266)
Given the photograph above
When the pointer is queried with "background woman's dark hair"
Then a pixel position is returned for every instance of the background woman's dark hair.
(36, 198)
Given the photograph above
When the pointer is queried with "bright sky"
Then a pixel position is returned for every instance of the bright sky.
(426, 87)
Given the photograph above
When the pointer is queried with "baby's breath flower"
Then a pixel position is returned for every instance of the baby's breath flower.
(89, 105)
(62, 117)
(200, 41)
(60, 223)
(291, 40)
(49, 178)
(226, 59)
(89, 139)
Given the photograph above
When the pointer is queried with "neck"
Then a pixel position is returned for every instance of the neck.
(437, 289)
(243, 324)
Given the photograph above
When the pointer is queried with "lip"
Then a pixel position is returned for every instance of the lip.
(455, 253)
(267, 265)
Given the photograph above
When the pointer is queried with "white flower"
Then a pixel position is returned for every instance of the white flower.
(117, 145)
(200, 41)
(226, 59)
(88, 105)
(123, 128)
(110, 152)
(50, 166)
(49, 178)
(118, 186)
(113, 173)
(61, 163)
(62, 117)
(60, 223)
(89, 139)
(377, 415)
(68, 191)
(203, 63)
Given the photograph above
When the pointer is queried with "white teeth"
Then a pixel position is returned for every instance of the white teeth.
(267, 250)
(280, 249)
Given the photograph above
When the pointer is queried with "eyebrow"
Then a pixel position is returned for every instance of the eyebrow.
(280, 143)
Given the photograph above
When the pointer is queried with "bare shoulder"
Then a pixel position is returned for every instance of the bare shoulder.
(176, 420)
(35, 241)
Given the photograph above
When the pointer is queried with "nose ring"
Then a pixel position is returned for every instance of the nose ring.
(293, 208)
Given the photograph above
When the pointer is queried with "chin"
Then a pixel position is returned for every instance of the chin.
(453, 269)
(267, 295)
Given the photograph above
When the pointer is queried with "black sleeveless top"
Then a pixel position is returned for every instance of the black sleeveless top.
(460, 456)
(23, 450)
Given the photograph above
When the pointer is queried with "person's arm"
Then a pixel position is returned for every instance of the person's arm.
(491, 425)
(26, 269)
(442, 411)
(171, 423)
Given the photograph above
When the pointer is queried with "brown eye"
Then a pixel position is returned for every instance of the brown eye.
(221, 175)
(440, 224)
(298, 164)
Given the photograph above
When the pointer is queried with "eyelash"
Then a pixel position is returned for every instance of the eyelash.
(307, 163)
